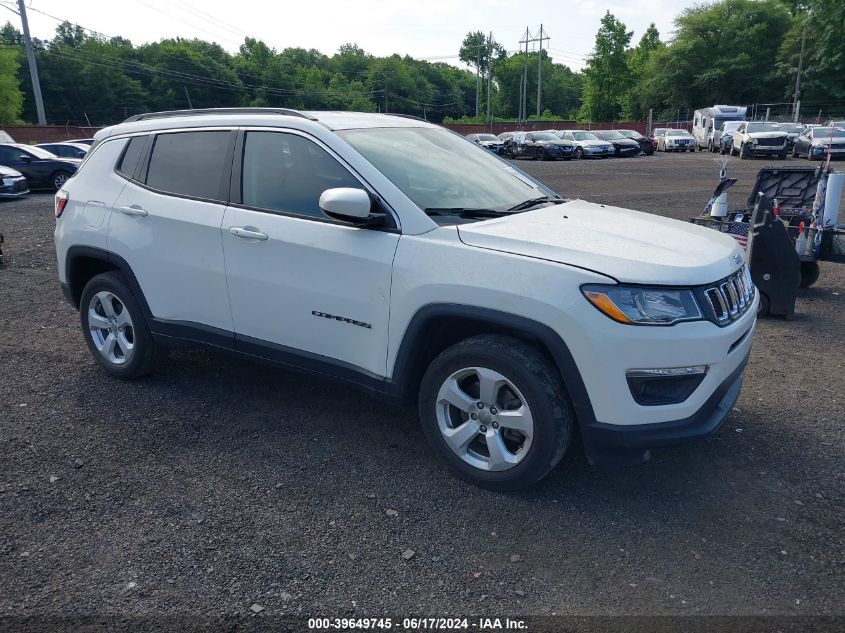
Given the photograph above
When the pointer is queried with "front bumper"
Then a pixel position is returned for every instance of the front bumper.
(766, 150)
(16, 188)
(611, 444)
(599, 151)
(559, 151)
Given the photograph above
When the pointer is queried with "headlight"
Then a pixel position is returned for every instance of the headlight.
(643, 306)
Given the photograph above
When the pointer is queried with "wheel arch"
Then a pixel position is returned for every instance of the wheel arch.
(436, 327)
(83, 263)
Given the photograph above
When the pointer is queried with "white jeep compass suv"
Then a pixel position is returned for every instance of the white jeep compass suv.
(397, 256)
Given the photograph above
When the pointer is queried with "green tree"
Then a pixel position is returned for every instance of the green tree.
(723, 52)
(11, 97)
(477, 52)
(607, 78)
(634, 105)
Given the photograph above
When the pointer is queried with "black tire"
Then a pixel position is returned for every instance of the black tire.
(146, 351)
(733, 151)
(743, 152)
(782, 156)
(794, 153)
(809, 274)
(57, 179)
(763, 306)
(540, 154)
(535, 376)
(579, 152)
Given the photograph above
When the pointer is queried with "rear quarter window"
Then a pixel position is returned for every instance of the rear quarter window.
(129, 159)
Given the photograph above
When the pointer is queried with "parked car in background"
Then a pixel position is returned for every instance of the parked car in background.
(12, 183)
(43, 170)
(814, 143)
(622, 145)
(488, 141)
(792, 130)
(540, 146)
(835, 123)
(723, 137)
(84, 141)
(759, 138)
(675, 140)
(587, 144)
(645, 142)
(507, 143)
(707, 121)
(655, 133)
(66, 150)
(389, 253)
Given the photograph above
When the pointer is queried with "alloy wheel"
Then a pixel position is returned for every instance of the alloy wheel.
(484, 419)
(111, 328)
(59, 180)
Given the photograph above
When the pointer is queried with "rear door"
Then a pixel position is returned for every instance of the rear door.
(304, 286)
(166, 225)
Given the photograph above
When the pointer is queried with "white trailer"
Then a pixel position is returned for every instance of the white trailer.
(707, 121)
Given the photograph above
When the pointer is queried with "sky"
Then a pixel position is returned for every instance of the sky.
(424, 29)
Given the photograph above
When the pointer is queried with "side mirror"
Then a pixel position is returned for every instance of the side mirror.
(80, 154)
(349, 205)
(24, 158)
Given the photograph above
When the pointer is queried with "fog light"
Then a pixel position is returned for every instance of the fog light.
(666, 385)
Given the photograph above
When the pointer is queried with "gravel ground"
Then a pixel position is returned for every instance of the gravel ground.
(216, 484)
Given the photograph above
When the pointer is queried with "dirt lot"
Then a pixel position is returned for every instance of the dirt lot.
(217, 484)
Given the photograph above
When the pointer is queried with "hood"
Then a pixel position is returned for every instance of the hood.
(629, 246)
(490, 142)
(624, 141)
(557, 142)
(593, 143)
(8, 172)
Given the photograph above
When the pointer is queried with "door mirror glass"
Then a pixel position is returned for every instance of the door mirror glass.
(346, 203)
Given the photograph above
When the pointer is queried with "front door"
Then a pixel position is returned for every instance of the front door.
(300, 283)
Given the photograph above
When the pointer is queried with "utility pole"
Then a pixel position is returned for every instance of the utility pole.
(187, 96)
(489, 71)
(386, 80)
(540, 73)
(33, 69)
(477, 77)
(523, 83)
(796, 103)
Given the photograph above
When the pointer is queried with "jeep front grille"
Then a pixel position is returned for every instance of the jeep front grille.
(772, 142)
(730, 298)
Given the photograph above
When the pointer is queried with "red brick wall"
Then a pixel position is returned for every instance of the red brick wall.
(33, 134)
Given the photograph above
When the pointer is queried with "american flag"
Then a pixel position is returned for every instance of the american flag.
(739, 231)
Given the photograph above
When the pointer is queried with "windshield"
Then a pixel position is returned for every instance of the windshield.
(36, 151)
(828, 132)
(443, 170)
(631, 134)
(545, 136)
(791, 128)
(677, 133)
(610, 134)
(584, 136)
(763, 127)
(731, 126)
(487, 137)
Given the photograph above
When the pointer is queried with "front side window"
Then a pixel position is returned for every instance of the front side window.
(193, 164)
(288, 173)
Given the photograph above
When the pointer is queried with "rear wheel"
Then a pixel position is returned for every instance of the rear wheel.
(115, 328)
(579, 152)
(59, 179)
(763, 306)
(495, 409)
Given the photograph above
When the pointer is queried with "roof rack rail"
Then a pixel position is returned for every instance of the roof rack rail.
(199, 111)
(408, 116)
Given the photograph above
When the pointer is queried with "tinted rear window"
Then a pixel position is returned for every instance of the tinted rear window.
(190, 164)
(129, 160)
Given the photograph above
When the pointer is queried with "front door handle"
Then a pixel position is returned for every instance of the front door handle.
(133, 210)
(250, 234)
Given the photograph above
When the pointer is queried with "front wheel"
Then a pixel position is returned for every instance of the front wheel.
(743, 151)
(495, 410)
(809, 274)
(115, 328)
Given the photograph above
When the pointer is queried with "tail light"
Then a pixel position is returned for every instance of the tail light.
(61, 202)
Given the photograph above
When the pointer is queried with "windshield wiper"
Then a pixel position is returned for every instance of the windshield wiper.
(463, 212)
(533, 202)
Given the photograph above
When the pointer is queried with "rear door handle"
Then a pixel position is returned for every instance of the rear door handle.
(133, 210)
(249, 234)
